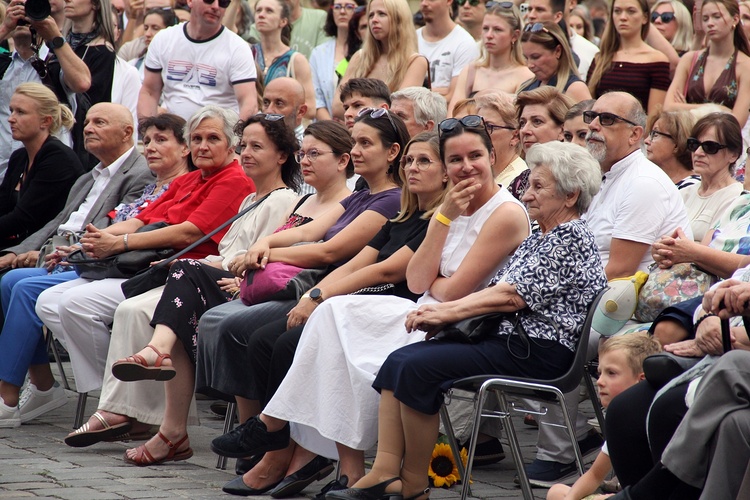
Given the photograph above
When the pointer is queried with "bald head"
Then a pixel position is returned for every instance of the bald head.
(613, 142)
(108, 131)
(285, 96)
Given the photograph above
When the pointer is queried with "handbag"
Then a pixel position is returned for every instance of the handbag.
(666, 287)
(471, 330)
(122, 265)
(156, 275)
(278, 281)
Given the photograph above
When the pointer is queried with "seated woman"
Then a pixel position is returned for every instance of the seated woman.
(268, 148)
(541, 115)
(574, 128)
(537, 285)
(501, 66)
(41, 173)
(720, 74)
(164, 142)
(626, 62)
(462, 249)
(80, 311)
(549, 57)
(666, 145)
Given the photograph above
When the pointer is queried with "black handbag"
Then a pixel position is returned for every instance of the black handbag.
(123, 265)
(471, 330)
(155, 276)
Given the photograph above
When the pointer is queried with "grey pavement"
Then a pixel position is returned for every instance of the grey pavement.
(35, 463)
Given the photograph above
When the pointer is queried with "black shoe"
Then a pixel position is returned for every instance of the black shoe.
(334, 485)
(250, 438)
(487, 453)
(318, 468)
(238, 487)
(376, 492)
(245, 464)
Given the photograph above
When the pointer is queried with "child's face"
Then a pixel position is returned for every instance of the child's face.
(615, 375)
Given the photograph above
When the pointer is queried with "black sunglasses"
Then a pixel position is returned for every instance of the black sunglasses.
(222, 3)
(473, 3)
(378, 113)
(502, 5)
(469, 121)
(606, 119)
(666, 17)
(709, 147)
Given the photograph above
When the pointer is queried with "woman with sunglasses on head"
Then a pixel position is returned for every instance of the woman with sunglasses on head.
(719, 74)
(273, 54)
(673, 20)
(666, 145)
(330, 59)
(549, 57)
(154, 21)
(625, 61)
(501, 66)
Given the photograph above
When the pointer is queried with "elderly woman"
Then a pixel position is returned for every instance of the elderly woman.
(81, 311)
(666, 145)
(541, 115)
(538, 288)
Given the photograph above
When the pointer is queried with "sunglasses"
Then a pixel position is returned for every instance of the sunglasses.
(347, 7)
(655, 133)
(502, 5)
(709, 147)
(473, 3)
(666, 17)
(378, 113)
(469, 121)
(222, 3)
(270, 117)
(606, 119)
(534, 28)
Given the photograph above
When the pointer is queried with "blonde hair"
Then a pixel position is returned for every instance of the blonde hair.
(683, 37)
(511, 16)
(402, 44)
(47, 104)
(637, 346)
(467, 106)
(409, 200)
(503, 105)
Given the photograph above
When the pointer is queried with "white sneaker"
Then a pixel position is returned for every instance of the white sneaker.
(9, 417)
(34, 403)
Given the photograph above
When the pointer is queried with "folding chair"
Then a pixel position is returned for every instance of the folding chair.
(82, 396)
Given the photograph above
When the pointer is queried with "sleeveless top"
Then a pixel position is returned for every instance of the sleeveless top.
(281, 66)
(294, 218)
(535, 84)
(724, 91)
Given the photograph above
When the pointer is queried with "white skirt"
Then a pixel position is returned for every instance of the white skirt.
(327, 394)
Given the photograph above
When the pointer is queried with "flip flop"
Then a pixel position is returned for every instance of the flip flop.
(86, 436)
(135, 367)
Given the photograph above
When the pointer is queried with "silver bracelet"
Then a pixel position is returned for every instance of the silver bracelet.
(125, 241)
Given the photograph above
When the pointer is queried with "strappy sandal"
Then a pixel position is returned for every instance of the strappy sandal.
(86, 436)
(143, 457)
(135, 367)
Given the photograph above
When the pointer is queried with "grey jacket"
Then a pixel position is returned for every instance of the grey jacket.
(126, 186)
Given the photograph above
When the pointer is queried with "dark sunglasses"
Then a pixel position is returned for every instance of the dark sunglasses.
(502, 5)
(469, 121)
(709, 147)
(222, 3)
(606, 119)
(473, 3)
(666, 17)
(378, 113)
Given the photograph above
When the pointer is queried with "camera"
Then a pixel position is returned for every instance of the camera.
(37, 10)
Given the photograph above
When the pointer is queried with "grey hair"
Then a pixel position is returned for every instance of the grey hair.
(637, 115)
(228, 118)
(573, 168)
(428, 105)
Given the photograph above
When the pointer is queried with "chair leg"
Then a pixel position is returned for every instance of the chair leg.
(221, 463)
(52, 347)
(479, 402)
(570, 427)
(515, 447)
(452, 442)
(80, 409)
(594, 397)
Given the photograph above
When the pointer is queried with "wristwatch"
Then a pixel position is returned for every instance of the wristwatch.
(316, 295)
(56, 42)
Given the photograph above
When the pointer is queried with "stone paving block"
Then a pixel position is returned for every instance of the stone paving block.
(7, 478)
(16, 494)
(147, 494)
(31, 485)
(77, 494)
(81, 473)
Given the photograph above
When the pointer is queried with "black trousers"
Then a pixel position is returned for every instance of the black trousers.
(271, 352)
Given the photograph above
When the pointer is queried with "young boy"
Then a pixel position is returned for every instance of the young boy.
(620, 367)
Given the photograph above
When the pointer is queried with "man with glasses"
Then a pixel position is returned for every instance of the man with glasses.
(198, 63)
(636, 205)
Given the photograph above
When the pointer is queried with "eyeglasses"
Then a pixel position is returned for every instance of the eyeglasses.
(606, 119)
(359, 9)
(473, 3)
(312, 155)
(655, 133)
(378, 113)
(468, 121)
(666, 17)
(270, 117)
(491, 128)
(502, 5)
(709, 147)
(222, 3)
(422, 162)
(534, 28)
(345, 6)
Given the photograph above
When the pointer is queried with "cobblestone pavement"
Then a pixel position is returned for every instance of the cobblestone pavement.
(35, 463)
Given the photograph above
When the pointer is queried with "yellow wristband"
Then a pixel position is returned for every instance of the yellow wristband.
(442, 219)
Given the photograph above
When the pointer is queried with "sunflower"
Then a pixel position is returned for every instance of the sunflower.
(443, 471)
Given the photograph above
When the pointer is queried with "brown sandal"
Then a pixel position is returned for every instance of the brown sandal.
(144, 457)
(135, 367)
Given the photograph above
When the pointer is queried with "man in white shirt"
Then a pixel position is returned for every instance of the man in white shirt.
(445, 44)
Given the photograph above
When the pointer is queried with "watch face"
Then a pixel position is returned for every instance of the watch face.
(315, 293)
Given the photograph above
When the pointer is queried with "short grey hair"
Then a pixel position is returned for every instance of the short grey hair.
(428, 105)
(227, 117)
(573, 168)
(637, 115)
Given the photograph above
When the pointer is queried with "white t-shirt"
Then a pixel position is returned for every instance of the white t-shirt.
(448, 56)
(637, 202)
(705, 211)
(199, 72)
(585, 51)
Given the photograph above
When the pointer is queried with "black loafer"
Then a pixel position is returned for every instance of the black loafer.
(251, 438)
(333, 485)
(375, 492)
(318, 468)
(238, 487)
(245, 464)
